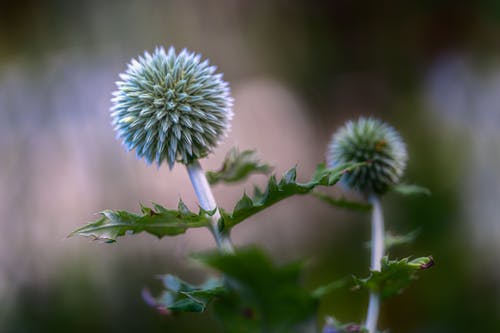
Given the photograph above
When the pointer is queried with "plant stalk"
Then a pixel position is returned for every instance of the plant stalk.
(207, 202)
(377, 252)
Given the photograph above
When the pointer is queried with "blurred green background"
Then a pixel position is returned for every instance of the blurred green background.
(298, 70)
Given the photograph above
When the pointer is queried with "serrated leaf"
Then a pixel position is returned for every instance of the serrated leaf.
(158, 221)
(237, 166)
(180, 296)
(411, 189)
(395, 275)
(278, 190)
(342, 202)
(264, 297)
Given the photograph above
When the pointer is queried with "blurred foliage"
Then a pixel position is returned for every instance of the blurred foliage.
(343, 203)
(255, 295)
(238, 166)
(180, 296)
(72, 301)
(262, 297)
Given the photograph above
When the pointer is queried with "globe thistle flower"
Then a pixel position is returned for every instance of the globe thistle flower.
(373, 141)
(171, 107)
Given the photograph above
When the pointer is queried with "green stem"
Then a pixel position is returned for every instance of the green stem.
(207, 202)
(377, 252)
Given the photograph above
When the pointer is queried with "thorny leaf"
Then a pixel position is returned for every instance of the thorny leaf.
(158, 221)
(394, 276)
(180, 296)
(286, 187)
(237, 166)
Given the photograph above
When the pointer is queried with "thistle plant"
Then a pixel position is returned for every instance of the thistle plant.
(383, 149)
(173, 107)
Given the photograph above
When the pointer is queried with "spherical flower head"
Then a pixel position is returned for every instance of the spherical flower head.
(171, 107)
(372, 141)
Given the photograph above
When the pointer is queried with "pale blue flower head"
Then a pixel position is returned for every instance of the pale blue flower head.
(171, 107)
(372, 141)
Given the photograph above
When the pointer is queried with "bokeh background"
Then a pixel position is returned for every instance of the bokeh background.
(298, 70)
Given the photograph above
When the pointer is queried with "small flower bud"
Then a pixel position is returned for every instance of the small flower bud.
(171, 107)
(372, 141)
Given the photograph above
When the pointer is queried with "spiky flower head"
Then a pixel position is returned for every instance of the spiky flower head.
(171, 107)
(373, 141)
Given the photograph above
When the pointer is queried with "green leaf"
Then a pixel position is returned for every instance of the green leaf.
(181, 296)
(331, 287)
(410, 189)
(158, 221)
(395, 275)
(263, 297)
(335, 326)
(392, 240)
(282, 189)
(237, 166)
(343, 203)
